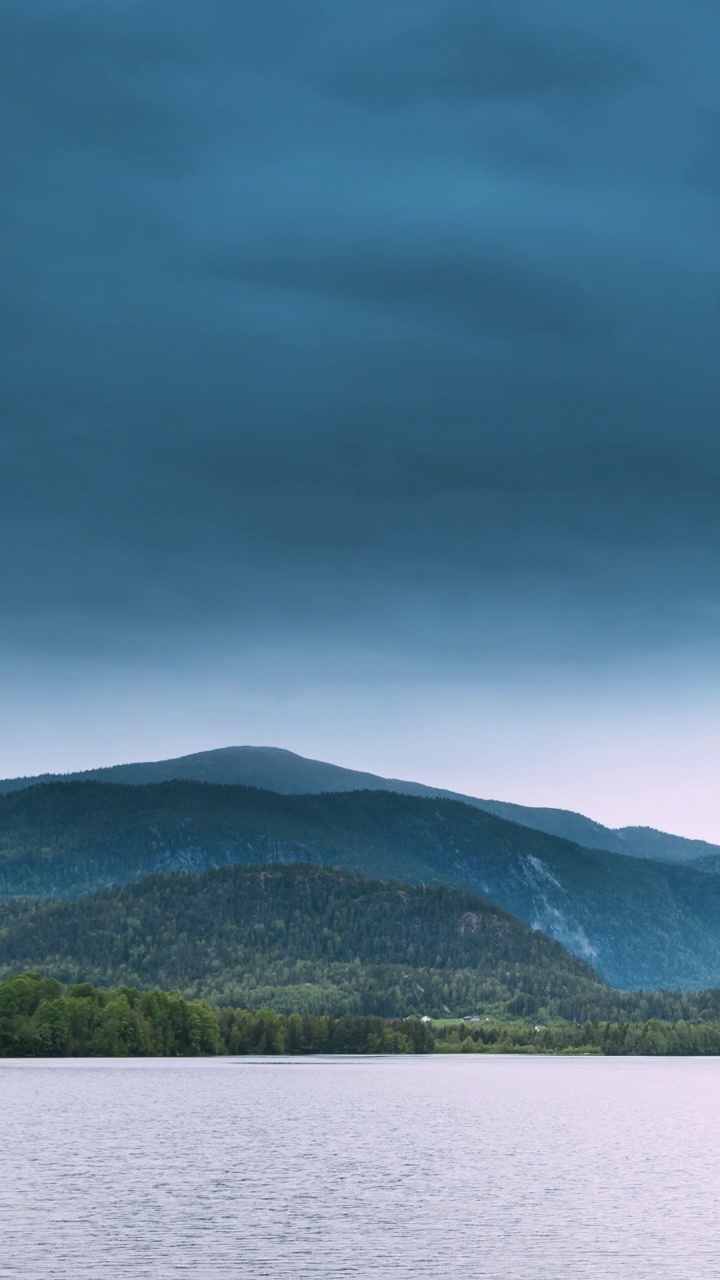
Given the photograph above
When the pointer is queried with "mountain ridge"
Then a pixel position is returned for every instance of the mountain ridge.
(286, 772)
(640, 923)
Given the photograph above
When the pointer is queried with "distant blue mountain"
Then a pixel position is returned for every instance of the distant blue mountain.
(274, 769)
(639, 922)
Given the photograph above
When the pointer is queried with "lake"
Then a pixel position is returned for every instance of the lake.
(496, 1168)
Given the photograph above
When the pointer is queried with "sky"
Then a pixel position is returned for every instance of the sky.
(360, 391)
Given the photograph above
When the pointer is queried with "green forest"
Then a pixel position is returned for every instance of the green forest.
(641, 924)
(653, 1037)
(315, 941)
(40, 1019)
(302, 939)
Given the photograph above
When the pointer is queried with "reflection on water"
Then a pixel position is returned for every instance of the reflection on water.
(482, 1167)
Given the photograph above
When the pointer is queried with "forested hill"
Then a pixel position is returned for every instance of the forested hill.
(312, 940)
(301, 939)
(640, 923)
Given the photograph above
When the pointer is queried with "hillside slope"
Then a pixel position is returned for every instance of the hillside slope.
(304, 939)
(274, 769)
(640, 923)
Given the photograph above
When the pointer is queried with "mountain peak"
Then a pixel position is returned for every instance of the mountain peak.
(278, 769)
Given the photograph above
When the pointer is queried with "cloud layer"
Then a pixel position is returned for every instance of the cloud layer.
(388, 325)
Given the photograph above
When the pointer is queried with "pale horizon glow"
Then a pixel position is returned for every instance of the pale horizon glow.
(548, 739)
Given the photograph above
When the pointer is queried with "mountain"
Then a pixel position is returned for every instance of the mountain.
(274, 769)
(314, 940)
(646, 842)
(304, 939)
(639, 923)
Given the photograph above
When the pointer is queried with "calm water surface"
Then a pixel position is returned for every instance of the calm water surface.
(512, 1168)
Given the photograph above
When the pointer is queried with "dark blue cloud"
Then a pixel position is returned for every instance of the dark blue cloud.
(329, 319)
(466, 52)
(462, 282)
(704, 167)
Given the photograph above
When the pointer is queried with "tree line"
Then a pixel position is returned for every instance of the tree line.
(653, 1038)
(38, 1018)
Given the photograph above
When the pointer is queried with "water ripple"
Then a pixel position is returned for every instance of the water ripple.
(425, 1168)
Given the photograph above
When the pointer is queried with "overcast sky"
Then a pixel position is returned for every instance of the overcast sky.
(361, 393)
